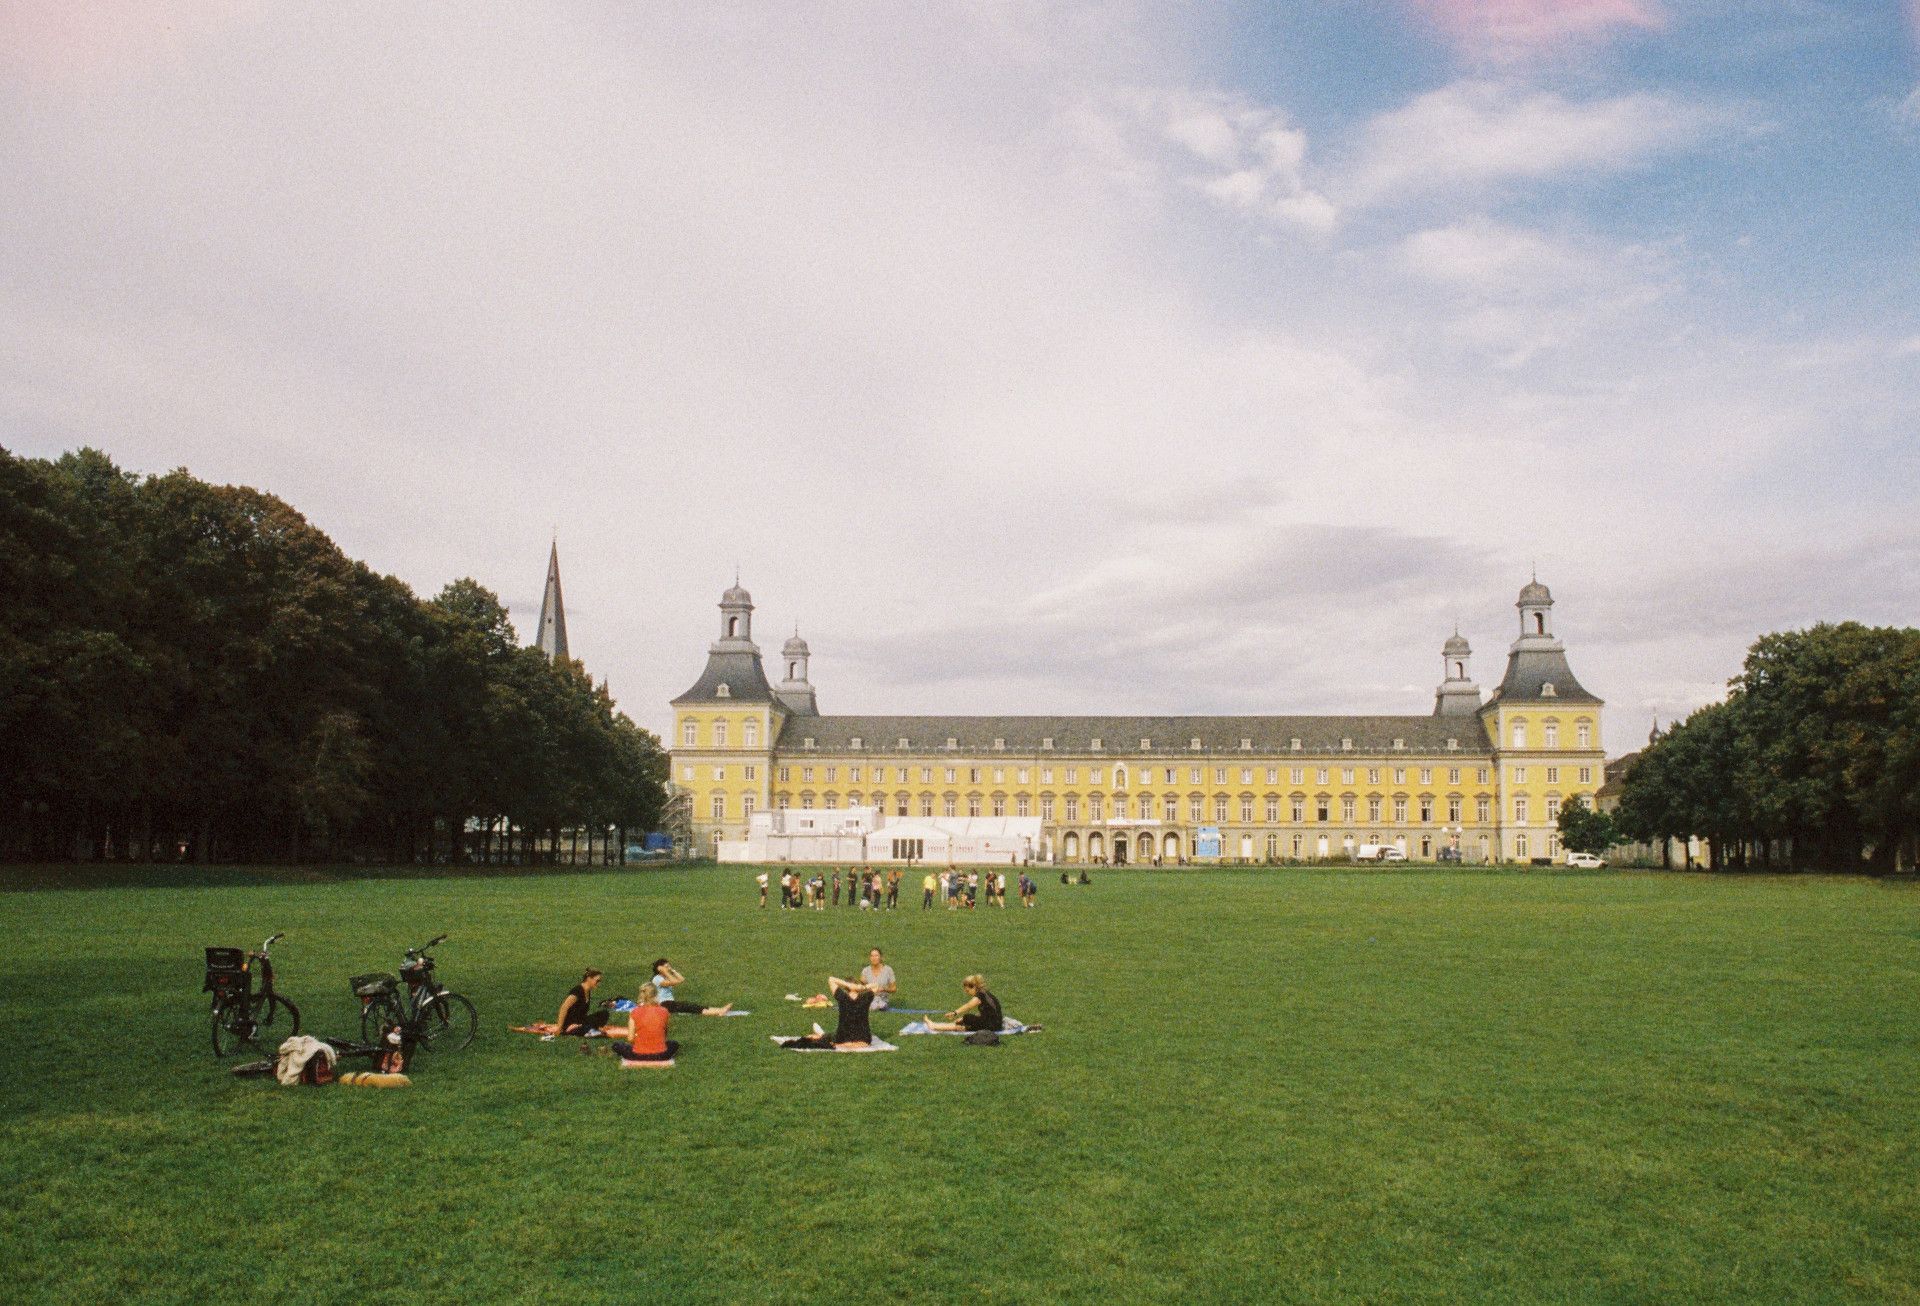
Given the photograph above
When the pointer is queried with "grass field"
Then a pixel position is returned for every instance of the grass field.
(1253, 1086)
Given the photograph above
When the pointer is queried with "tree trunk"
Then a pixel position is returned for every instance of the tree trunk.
(621, 834)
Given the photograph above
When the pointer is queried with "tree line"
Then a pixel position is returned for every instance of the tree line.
(194, 671)
(1812, 760)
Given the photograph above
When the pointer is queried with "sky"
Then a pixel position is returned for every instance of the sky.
(1030, 357)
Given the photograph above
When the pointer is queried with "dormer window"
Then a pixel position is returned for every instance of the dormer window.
(1194, 744)
(723, 690)
(1453, 745)
(1246, 745)
(807, 742)
(1399, 743)
(999, 745)
(1546, 690)
(1296, 745)
(952, 743)
(854, 742)
(1047, 742)
(1146, 745)
(902, 744)
(1346, 745)
(1095, 745)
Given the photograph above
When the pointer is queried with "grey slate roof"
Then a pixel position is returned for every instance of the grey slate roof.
(1121, 735)
(1528, 670)
(741, 673)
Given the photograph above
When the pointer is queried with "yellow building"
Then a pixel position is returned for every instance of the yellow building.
(1480, 780)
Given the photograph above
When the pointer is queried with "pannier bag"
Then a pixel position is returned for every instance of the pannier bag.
(226, 971)
(373, 986)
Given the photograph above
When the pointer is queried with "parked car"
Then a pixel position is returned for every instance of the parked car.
(1379, 852)
(1585, 861)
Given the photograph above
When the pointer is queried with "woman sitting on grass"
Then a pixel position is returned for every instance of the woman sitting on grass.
(649, 1030)
(854, 1030)
(664, 979)
(980, 1011)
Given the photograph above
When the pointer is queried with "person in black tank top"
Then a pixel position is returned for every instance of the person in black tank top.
(577, 1015)
(981, 1010)
(855, 1002)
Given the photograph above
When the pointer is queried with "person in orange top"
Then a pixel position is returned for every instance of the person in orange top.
(649, 1024)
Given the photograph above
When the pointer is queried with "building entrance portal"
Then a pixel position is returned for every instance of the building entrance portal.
(1119, 850)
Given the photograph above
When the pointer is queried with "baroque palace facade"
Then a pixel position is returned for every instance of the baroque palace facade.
(1483, 780)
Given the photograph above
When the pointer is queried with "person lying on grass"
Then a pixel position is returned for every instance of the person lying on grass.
(855, 1002)
(980, 1011)
(665, 977)
(649, 1041)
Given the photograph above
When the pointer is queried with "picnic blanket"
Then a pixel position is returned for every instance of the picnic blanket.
(628, 1063)
(787, 1041)
(1010, 1027)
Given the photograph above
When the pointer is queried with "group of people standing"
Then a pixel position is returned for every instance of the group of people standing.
(963, 889)
(865, 887)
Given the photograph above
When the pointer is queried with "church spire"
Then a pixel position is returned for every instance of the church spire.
(553, 613)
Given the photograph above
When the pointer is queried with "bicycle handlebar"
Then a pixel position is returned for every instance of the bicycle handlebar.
(434, 942)
(275, 939)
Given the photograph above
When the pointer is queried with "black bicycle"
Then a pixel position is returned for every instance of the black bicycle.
(429, 1015)
(243, 1017)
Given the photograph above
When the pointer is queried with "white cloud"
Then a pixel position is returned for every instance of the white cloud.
(1478, 132)
(1505, 31)
(1489, 257)
(1243, 156)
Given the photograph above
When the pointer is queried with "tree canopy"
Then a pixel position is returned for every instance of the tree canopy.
(194, 666)
(1812, 760)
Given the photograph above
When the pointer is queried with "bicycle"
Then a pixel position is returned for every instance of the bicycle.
(240, 1016)
(429, 1016)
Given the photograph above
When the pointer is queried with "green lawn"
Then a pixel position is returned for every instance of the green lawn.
(1253, 1086)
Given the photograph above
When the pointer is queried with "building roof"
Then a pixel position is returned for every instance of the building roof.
(1120, 736)
(740, 671)
(1617, 771)
(1531, 670)
(1535, 592)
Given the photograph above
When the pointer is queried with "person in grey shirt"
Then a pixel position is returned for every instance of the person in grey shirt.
(879, 977)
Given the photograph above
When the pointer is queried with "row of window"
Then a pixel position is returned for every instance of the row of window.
(750, 771)
(1096, 745)
(1550, 729)
(749, 731)
(1195, 775)
(1169, 809)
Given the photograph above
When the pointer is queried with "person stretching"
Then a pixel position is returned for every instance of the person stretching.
(649, 1030)
(980, 1011)
(854, 1030)
(664, 979)
(576, 1009)
(879, 977)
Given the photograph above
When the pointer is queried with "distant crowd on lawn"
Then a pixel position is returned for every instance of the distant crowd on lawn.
(872, 890)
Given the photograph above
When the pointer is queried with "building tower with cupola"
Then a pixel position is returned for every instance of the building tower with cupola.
(1545, 729)
(1457, 695)
(1471, 779)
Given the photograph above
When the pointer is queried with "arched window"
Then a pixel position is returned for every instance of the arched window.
(733, 627)
(1539, 623)
(793, 671)
(1459, 671)
(1119, 777)
(1070, 847)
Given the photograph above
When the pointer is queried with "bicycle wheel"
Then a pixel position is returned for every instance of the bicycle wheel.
(448, 1023)
(274, 1019)
(376, 1018)
(232, 1027)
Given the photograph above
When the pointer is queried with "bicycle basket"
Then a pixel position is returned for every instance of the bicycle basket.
(416, 972)
(226, 971)
(373, 986)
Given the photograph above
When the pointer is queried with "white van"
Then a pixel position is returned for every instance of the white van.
(1379, 852)
(1585, 861)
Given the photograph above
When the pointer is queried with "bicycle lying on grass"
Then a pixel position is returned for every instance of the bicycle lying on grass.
(241, 1017)
(429, 1015)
